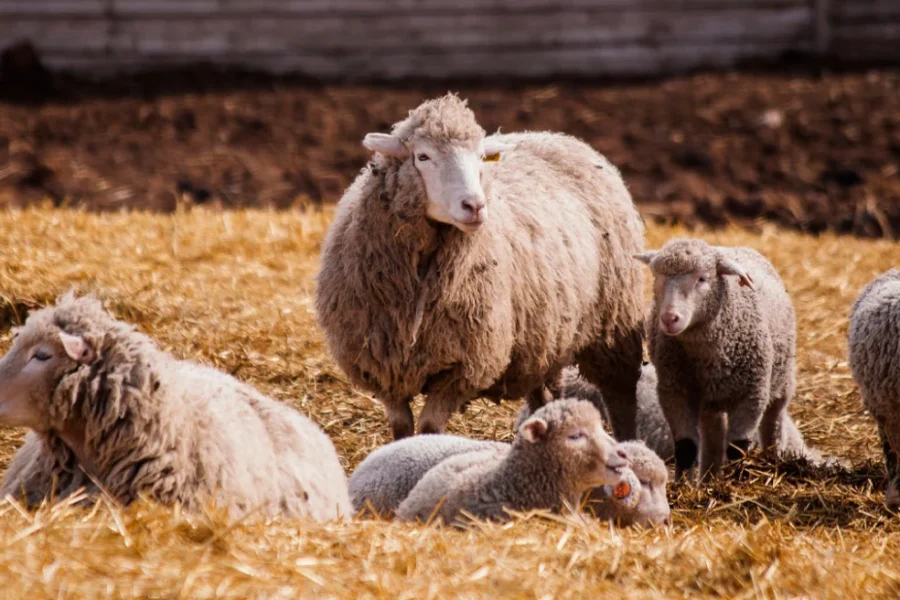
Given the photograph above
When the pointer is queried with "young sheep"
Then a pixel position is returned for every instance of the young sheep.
(874, 344)
(649, 504)
(561, 452)
(422, 292)
(106, 407)
(724, 349)
(384, 479)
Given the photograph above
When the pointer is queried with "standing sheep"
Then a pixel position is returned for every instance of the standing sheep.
(422, 292)
(561, 452)
(107, 408)
(724, 349)
(874, 344)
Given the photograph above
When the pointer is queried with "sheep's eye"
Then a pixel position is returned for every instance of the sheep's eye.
(702, 279)
(422, 157)
(644, 483)
(42, 356)
(578, 435)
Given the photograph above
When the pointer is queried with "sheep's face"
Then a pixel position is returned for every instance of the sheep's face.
(652, 507)
(572, 432)
(40, 356)
(451, 172)
(687, 278)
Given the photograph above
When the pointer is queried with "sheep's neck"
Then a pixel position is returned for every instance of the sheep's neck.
(534, 479)
(73, 436)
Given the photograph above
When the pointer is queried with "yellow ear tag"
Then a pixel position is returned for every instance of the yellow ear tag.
(491, 157)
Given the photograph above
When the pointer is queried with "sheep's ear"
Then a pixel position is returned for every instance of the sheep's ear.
(386, 144)
(494, 149)
(645, 257)
(534, 430)
(76, 348)
(726, 266)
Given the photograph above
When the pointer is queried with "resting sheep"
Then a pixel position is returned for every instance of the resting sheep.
(874, 344)
(561, 452)
(649, 504)
(421, 291)
(109, 409)
(723, 348)
(386, 477)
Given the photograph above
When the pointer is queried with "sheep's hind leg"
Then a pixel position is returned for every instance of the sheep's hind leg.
(400, 418)
(615, 370)
(439, 407)
(892, 493)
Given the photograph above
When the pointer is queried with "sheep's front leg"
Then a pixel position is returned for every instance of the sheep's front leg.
(713, 436)
(682, 415)
(400, 417)
(745, 417)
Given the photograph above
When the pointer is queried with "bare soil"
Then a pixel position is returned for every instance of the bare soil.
(810, 152)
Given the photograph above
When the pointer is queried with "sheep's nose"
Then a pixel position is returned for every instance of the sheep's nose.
(473, 206)
(618, 461)
(669, 319)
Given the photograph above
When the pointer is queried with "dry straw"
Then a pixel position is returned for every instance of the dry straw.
(235, 290)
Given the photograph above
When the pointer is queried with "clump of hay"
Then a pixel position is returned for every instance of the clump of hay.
(235, 290)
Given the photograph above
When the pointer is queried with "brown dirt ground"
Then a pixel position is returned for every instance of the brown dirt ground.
(811, 152)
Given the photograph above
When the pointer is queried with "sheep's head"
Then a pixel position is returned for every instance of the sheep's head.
(647, 503)
(571, 431)
(52, 343)
(447, 148)
(687, 277)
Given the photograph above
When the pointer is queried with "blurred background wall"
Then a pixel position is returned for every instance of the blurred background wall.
(389, 39)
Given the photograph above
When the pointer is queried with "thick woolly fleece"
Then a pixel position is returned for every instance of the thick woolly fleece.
(874, 344)
(386, 477)
(531, 475)
(411, 306)
(172, 430)
(737, 356)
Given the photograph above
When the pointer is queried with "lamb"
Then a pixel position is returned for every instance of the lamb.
(386, 477)
(421, 292)
(561, 452)
(874, 343)
(647, 503)
(724, 349)
(108, 410)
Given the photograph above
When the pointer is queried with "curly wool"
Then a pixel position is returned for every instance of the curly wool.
(740, 355)
(172, 430)
(444, 120)
(409, 306)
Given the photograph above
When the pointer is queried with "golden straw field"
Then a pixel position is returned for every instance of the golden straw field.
(236, 289)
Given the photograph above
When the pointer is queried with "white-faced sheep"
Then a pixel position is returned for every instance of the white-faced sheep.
(722, 336)
(561, 452)
(386, 477)
(108, 408)
(646, 503)
(874, 344)
(421, 292)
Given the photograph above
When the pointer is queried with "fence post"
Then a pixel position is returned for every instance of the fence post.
(822, 25)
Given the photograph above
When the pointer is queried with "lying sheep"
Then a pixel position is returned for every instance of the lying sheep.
(108, 409)
(649, 505)
(874, 344)
(724, 349)
(421, 292)
(561, 452)
(386, 477)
